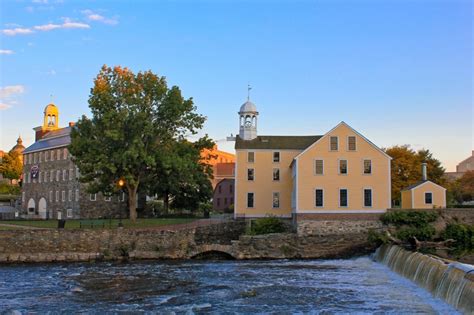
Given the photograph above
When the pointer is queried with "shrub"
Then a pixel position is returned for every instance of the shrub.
(7, 189)
(463, 234)
(377, 238)
(410, 218)
(421, 233)
(266, 226)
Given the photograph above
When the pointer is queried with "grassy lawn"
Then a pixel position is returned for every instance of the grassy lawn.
(75, 224)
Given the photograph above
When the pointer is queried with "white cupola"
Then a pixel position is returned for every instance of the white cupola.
(248, 121)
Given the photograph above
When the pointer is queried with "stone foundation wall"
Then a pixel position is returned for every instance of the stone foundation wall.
(337, 227)
(117, 244)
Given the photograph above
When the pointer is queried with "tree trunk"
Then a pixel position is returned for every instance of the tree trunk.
(132, 203)
(166, 202)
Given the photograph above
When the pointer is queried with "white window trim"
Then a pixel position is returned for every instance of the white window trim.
(254, 156)
(273, 179)
(247, 200)
(69, 213)
(347, 143)
(279, 157)
(57, 195)
(251, 168)
(64, 175)
(107, 198)
(318, 188)
(339, 197)
(279, 200)
(337, 137)
(371, 167)
(77, 195)
(63, 196)
(424, 197)
(69, 195)
(314, 166)
(339, 167)
(371, 197)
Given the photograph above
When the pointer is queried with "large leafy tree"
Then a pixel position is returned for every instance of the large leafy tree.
(406, 168)
(11, 166)
(134, 116)
(461, 189)
(181, 175)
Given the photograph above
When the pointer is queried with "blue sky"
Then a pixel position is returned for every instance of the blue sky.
(399, 72)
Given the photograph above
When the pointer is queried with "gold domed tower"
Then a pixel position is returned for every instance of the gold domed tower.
(51, 117)
(50, 121)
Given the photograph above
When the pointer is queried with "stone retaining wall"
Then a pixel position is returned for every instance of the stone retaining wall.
(116, 244)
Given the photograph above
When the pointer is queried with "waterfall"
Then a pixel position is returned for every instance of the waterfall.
(452, 282)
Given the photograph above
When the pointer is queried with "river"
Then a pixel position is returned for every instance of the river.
(279, 286)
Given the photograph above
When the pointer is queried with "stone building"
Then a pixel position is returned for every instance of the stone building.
(50, 188)
(463, 167)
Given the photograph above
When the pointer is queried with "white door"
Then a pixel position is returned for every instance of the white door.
(60, 215)
(42, 208)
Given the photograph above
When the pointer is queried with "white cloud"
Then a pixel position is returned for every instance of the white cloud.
(40, 1)
(51, 72)
(93, 16)
(6, 52)
(47, 27)
(75, 25)
(17, 31)
(68, 24)
(8, 94)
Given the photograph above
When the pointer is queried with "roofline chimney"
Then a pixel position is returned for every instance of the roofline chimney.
(424, 172)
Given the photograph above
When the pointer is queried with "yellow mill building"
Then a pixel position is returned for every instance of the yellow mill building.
(304, 177)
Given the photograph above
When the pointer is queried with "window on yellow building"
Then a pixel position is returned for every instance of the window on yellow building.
(351, 143)
(319, 198)
(276, 157)
(276, 200)
(343, 167)
(428, 198)
(334, 143)
(250, 174)
(319, 167)
(250, 200)
(343, 197)
(367, 167)
(367, 197)
(276, 174)
(250, 157)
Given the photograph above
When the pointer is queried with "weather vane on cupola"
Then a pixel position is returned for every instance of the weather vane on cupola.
(248, 91)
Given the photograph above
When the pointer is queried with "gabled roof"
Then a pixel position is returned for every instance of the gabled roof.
(276, 142)
(420, 183)
(53, 139)
(355, 131)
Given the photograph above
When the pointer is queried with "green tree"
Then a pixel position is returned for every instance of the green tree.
(133, 117)
(461, 189)
(406, 168)
(11, 166)
(181, 175)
